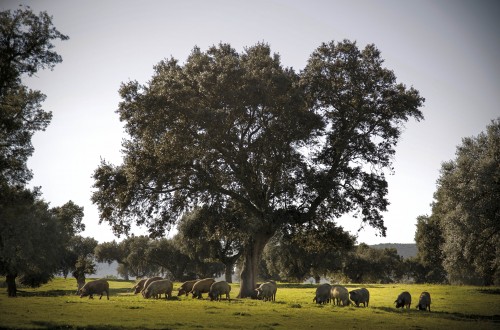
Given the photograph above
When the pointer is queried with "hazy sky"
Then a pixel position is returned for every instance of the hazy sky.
(448, 50)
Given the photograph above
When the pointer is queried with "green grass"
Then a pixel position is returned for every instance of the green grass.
(56, 306)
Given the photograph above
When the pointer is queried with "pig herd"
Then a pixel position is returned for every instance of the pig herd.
(338, 295)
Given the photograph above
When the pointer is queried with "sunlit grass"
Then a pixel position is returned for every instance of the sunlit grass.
(56, 305)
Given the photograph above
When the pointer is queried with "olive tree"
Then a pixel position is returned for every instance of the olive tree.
(467, 210)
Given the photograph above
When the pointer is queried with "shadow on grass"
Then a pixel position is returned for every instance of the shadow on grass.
(59, 293)
(121, 291)
(453, 316)
(489, 291)
(46, 293)
(314, 286)
(51, 325)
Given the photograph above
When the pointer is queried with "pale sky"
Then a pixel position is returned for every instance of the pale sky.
(448, 50)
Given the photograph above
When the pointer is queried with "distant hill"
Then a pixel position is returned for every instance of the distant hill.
(406, 250)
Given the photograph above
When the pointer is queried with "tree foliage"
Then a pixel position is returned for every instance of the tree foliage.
(468, 210)
(33, 237)
(459, 242)
(429, 239)
(25, 47)
(131, 255)
(80, 258)
(288, 148)
(307, 251)
(215, 234)
(167, 255)
(369, 265)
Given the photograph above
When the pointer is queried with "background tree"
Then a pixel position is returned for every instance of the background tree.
(30, 234)
(166, 254)
(466, 206)
(70, 216)
(32, 238)
(429, 239)
(113, 251)
(240, 128)
(217, 234)
(369, 265)
(25, 47)
(308, 251)
(81, 254)
(131, 255)
(201, 261)
(137, 262)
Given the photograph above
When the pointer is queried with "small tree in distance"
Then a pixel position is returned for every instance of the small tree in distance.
(131, 255)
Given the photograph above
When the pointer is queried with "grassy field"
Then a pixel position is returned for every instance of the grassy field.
(56, 306)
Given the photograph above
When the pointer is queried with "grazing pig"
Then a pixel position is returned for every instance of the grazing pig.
(139, 286)
(156, 288)
(424, 302)
(95, 287)
(359, 296)
(404, 299)
(149, 281)
(255, 292)
(217, 289)
(340, 295)
(201, 286)
(186, 287)
(267, 291)
(323, 294)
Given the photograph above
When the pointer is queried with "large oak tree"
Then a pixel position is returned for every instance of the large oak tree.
(289, 148)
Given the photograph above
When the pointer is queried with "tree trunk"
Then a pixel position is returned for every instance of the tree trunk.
(251, 258)
(125, 272)
(11, 285)
(80, 282)
(229, 272)
(317, 279)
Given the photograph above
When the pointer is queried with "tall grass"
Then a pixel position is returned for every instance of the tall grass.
(55, 305)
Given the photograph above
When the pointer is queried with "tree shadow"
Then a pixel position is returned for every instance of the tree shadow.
(489, 291)
(52, 325)
(122, 291)
(447, 315)
(46, 293)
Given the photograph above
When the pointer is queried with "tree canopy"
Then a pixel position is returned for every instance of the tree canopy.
(466, 204)
(429, 239)
(25, 47)
(459, 242)
(214, 234)
(308, 251)
(32, 235)
(289, 148)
